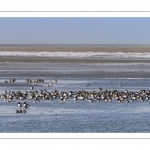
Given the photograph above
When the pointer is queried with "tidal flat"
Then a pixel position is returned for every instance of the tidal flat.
(75, 67)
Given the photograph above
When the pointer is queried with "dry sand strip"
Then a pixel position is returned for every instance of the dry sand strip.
(67, 60)
(92, 48)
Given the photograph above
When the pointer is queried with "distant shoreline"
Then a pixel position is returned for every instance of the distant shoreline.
(111, 49)
(100, 45)
(76, 48)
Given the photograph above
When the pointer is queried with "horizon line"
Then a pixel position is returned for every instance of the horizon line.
(74, 44)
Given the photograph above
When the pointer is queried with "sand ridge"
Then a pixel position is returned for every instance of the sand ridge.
(77, 48)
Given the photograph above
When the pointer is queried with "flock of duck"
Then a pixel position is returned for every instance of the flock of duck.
(89, 96)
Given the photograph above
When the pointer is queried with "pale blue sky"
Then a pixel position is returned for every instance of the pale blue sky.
(75, 31)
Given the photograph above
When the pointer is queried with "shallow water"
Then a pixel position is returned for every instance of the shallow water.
(81, 116)
(76, 116)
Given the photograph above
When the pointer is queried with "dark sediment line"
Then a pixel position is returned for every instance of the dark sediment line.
(68, 60)
(77, 75)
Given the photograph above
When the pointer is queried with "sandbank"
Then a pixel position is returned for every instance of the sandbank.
(83, 48)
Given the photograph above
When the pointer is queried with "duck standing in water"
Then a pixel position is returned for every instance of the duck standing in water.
(24, 111)
(26, 105)
(19, 104)
(17, 111)
(31, 88)
(88, 84)
(120, 85)
(55, 81)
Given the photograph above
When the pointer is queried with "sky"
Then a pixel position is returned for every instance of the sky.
(124, 31)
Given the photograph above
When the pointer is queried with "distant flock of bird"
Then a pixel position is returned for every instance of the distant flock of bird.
(82, 95)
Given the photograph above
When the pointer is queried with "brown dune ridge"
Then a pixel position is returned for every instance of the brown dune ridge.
(77, 48)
